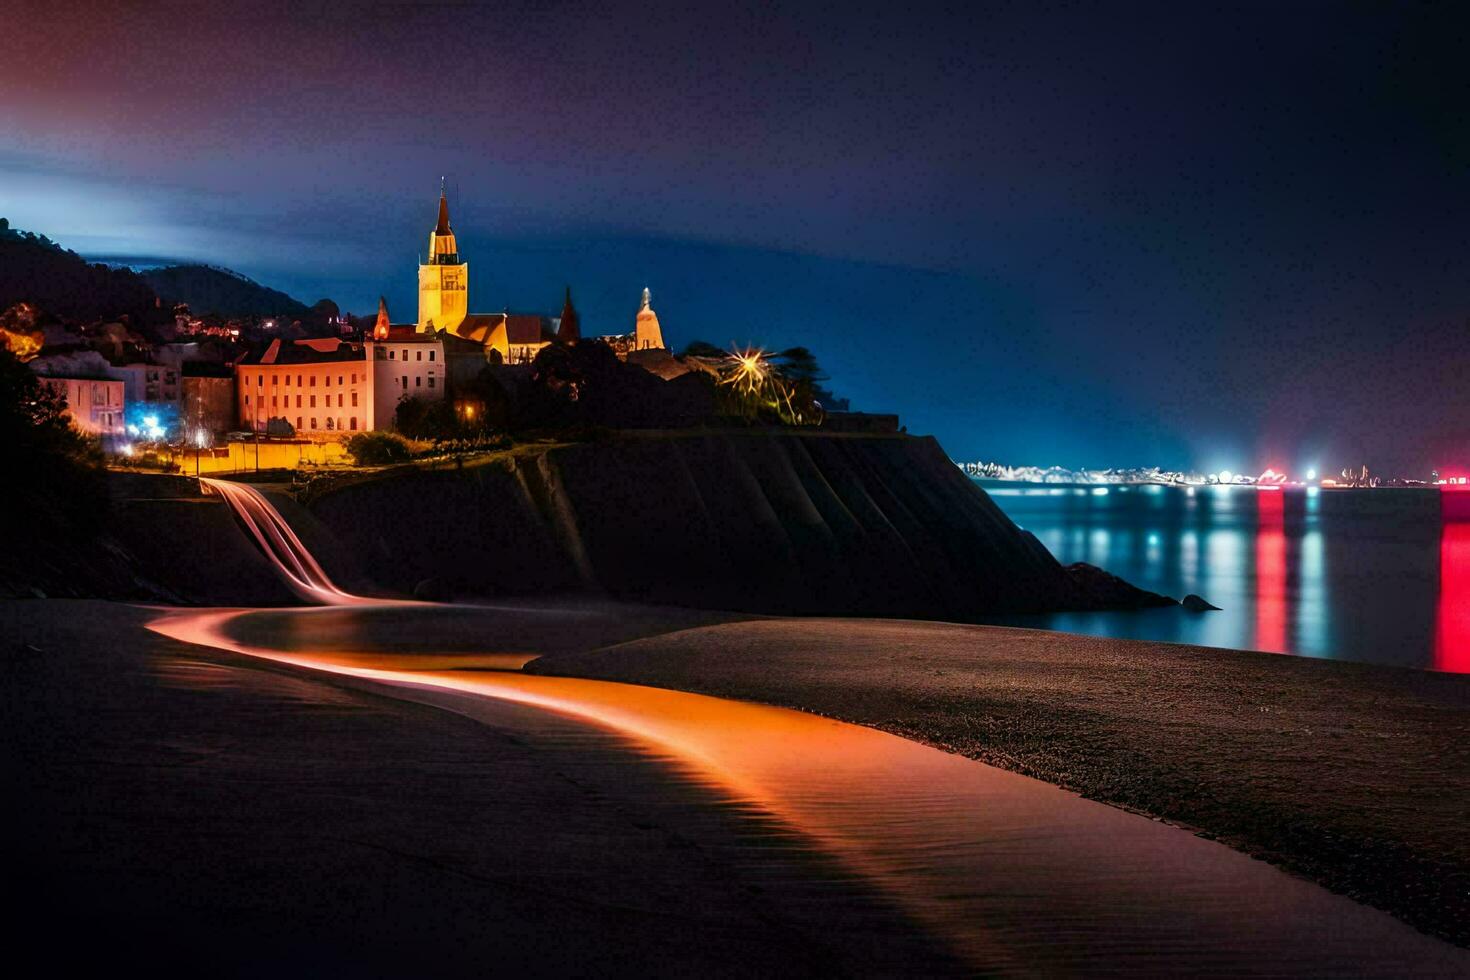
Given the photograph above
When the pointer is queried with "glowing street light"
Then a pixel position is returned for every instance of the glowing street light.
(750, 369)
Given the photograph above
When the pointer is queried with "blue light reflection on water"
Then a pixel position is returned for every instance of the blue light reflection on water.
(1352, 575)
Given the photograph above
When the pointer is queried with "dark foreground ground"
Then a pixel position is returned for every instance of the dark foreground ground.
(180, 803)
(1355, 776)
(175, 811)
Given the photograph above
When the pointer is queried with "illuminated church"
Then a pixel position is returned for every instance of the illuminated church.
(515, 338)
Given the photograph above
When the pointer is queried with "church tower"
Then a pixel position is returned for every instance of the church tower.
(646, 331)
(443, 280)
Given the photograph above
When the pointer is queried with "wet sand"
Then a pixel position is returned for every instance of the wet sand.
(1352, 775)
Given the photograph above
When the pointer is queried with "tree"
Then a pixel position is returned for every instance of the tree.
(425, 418)
(55, 485)
(377, 449)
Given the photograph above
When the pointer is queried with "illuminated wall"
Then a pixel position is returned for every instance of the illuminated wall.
(443, 295)
(95, 406)
(323, 397)
(401, 368)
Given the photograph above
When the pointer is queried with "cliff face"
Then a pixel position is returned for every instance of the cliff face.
(161, 542)
(755, 521)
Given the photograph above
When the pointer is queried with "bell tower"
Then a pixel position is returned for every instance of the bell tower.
(444, 280)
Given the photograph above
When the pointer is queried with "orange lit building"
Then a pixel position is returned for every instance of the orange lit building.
(330, 386)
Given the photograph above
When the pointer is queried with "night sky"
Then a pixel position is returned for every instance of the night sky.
(1189, 236)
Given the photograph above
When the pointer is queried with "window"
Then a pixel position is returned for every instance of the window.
(247, 399)
(431, 381)
(339, 400)
(298, 381)
(313, 421)
(339, 380)
(259, 380)
(298, 421)
(275, 380)
(354, 399)
(313, 405)
(405, 353)
(273, 401)
(431, 355)
(392, 355)
(418, 382)
(288, 381)
(298, 401)
(420, 356)
(354, 423)
(405, 382)
(313, 381)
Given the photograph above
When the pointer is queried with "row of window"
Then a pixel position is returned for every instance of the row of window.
(276, 380)
(418, 382)
(276, 400)
(393, 352)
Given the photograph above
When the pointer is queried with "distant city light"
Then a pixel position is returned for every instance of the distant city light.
(1311, 474)
(1225, 476)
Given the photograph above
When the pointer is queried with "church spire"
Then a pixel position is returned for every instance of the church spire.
(380, 329)
(569, 329)
(443, 250)
(442, 228)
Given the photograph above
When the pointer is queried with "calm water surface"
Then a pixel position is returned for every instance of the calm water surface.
(1381, 576)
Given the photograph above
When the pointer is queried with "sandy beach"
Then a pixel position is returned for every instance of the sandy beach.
(281, 798)
(189, 812)
(1351, 775)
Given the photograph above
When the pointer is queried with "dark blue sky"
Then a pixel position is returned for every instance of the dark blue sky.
(1229, 236)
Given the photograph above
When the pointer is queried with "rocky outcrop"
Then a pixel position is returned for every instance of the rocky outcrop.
(779, 522)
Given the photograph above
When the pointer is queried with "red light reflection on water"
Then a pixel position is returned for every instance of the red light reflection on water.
(1270, 571)
(1452, 615)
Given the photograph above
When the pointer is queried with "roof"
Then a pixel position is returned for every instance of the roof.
(526, 328)
(569, 328)
(442, 228)
(407, 333)
(478, 326)
(313, 351)
(206, 369)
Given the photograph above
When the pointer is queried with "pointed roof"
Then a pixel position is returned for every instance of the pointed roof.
(442, 228)
(380, 329)
(569, 330)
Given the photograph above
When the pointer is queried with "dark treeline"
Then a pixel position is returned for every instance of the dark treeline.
(34, 269)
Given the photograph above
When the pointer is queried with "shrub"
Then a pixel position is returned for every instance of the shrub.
(377, 449)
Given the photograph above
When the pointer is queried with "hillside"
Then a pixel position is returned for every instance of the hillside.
(777, 522)
(771, 522)
(35, 270)
(209, 290)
